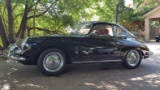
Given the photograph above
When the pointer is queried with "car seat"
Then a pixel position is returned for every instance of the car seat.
(102, 32)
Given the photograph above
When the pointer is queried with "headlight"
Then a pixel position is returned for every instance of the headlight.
(27, 46)
(15, 49)
(18, 50)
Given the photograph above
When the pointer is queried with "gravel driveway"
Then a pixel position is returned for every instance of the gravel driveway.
(99, 76)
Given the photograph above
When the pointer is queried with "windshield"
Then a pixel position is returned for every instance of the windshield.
(82, 29)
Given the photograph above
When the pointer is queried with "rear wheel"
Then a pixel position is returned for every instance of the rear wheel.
(52, 62)
(132, 59)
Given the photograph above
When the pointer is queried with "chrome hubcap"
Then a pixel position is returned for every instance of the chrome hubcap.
(133, 58)
(53, 62)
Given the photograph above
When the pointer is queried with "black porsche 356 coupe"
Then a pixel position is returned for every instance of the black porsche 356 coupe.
(89, 42)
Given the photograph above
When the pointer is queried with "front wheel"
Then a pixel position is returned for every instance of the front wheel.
(52, 62)
(132, 59)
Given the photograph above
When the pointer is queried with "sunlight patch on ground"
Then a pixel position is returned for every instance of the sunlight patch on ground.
(154, 48)
(152, 79)
(137, 79)
(103, 85)
(12, 70)
(15, 81)
(121, 83)
(29, 85)
(6, 86)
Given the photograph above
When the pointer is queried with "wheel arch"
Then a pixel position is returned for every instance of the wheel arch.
(64, 50)
(136, 63)
(123, 51)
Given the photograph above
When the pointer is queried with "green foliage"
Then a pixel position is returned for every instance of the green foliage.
(154, 24)
(1, 42)
(65, 13)
(133, 19)
(144, 6)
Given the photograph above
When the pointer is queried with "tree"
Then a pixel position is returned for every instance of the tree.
(21, 18)
(8, 32)
(52, 16)
(133, 19)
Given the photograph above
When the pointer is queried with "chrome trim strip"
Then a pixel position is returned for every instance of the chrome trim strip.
(80, 62)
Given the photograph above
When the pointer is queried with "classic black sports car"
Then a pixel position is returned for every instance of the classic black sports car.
(157, 38)
(89, 42)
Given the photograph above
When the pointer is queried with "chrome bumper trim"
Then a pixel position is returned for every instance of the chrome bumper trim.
(149, 53)
(18, 58)
(13, 53)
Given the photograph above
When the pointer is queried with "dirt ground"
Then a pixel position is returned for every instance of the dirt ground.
(99, 76)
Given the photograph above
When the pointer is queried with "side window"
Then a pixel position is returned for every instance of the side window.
(119, 32)
(102, 30)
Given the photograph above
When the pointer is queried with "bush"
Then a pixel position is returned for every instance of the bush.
(4, 53)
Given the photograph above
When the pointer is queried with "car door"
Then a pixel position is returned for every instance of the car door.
(100, 44)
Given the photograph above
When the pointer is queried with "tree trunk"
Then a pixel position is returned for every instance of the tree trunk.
(3, 35)
(1, 48)
(10, 21)
(23, 25)
(28, 34)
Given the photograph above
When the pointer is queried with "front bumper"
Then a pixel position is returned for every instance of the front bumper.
(15, 53)
(18, 58)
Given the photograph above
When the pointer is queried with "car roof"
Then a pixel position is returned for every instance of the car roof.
(99, 22)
